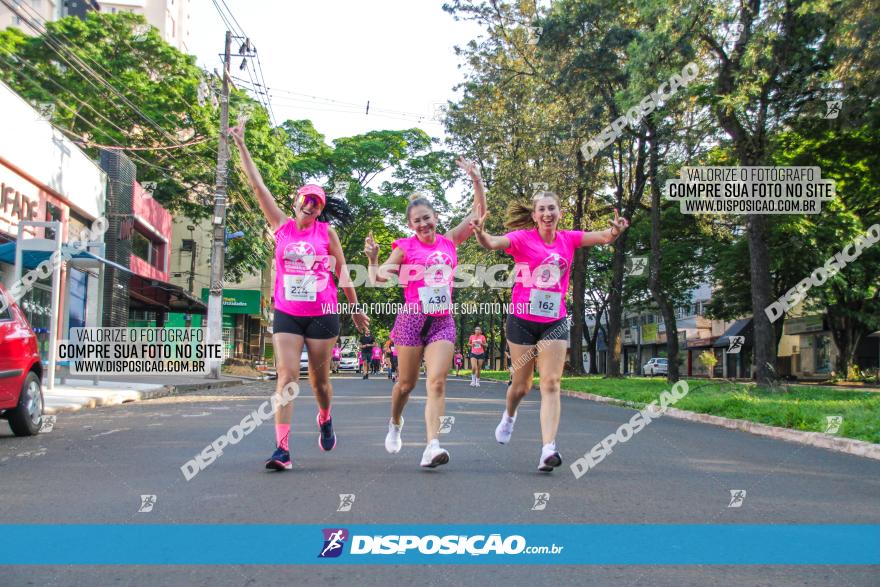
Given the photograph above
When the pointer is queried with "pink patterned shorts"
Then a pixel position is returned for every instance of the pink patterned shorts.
(409, 329)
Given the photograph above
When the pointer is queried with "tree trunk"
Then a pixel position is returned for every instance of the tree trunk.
(847, 334)
(578, 273)
(759, 270)
(660, 297)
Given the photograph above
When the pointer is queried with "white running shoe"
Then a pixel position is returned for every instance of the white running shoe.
(393, 443)
(477, 383)
(434, 455)
(550, 458)
(504, 428)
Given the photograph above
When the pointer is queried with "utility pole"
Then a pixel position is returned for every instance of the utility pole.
(192, 271)
(214, 333)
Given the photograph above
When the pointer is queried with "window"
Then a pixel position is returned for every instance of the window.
(140, 246)
(186, 244)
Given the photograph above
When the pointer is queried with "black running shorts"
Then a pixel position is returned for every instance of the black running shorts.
(319, 327)
(521, 331)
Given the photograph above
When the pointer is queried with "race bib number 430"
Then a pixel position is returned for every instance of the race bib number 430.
(300, 288)
(435, 299)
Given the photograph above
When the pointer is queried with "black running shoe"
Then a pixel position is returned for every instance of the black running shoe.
(280, 460)
(327, 438)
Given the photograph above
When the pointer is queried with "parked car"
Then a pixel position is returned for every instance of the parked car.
(656, 366)
(348, 361)
(21, 372)
(304, 360)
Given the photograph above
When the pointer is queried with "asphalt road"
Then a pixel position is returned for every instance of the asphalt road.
(94, 466)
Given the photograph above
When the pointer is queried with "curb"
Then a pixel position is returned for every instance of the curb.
(850, 446)
(169, 390)
(830, 442)
(164, 391)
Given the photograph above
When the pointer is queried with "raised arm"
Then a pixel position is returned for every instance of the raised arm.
(375, 272)
(463, 231)
(361, 321)
(607, 236)
(267, 203)
(486, 240)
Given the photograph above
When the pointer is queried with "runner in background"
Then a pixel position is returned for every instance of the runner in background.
(366, 343)
(307, 251)
(426, 264)
(477, 343)
(537, 327)
(376, 359)
(335, 358)
(393, 362)
(458, 360)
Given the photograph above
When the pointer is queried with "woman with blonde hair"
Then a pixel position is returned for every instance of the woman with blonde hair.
(538, 324)
(425, 264)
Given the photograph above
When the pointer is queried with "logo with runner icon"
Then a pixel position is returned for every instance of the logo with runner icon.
(550, 271)
(334, 540)
(438, 268)
(299, 255)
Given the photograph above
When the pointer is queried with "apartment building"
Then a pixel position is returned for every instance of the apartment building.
(170, 17)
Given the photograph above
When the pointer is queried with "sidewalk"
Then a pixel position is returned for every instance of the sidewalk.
(76, 394)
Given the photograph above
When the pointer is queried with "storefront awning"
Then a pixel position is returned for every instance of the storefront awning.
(144, 293)
(741, 327)
(30, 259)
(161, 296)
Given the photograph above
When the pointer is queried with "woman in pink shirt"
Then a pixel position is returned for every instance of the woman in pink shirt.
(538, 324)
(425, 264)
(307, 250)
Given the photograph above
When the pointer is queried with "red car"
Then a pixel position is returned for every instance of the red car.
(21, 393)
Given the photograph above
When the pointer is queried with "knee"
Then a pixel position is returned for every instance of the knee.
(405, 386)
(436, 386)
(321, 387)
(551, 384)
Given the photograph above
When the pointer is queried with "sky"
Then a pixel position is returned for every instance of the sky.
(398, 54)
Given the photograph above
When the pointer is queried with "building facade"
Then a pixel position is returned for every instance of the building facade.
(46, 177)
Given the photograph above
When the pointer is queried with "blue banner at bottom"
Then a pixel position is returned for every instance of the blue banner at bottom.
(625, 544)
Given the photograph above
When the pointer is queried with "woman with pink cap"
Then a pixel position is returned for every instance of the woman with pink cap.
(537, 324)
(425, 264)
(307, 249)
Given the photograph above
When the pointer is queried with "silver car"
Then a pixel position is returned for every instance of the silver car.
(656, 366)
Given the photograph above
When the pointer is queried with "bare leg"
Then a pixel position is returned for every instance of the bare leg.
(408, 360)
(438, 357)
(551, 362)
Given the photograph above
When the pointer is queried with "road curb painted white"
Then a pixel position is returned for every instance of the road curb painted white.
(57, 404)
(851, 446)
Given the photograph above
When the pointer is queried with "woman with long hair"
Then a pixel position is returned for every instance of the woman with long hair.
(425, 264)
(307, 250)
(538, 324)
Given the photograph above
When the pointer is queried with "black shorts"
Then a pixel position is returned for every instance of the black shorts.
(394, 363)
(478, 356)
(320, 327)
(521, 331)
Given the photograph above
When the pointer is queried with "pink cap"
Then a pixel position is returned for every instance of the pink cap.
(313, 190)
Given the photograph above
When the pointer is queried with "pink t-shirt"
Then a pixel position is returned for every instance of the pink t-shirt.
(427, 273)
(303, 270)
(336, 353)
(377, 353)
(542, 273)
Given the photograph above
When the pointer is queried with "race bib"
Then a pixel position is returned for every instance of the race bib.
(300, 288)
(435, 298)
(545, 303)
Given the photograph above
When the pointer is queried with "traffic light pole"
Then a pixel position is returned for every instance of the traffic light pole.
(214, 333)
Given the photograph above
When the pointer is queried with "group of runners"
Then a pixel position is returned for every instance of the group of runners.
(308, 252)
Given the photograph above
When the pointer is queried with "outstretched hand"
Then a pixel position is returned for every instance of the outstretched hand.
(469, 167)
(478, 220)
(237, 132)
(361, 321)
(619, 223)
(371, 249)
